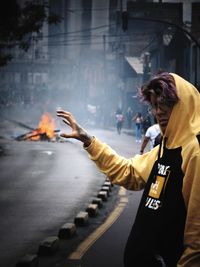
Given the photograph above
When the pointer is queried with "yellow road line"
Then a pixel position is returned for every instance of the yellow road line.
(86, 244)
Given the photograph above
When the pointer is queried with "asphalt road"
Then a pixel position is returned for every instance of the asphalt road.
(43, 185)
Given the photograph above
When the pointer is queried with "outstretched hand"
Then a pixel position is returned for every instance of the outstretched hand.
(77, 132)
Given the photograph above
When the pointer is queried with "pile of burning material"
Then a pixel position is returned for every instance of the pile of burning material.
(45, 131)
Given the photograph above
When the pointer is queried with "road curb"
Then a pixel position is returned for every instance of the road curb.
(97, 201)
(50, 245)
(29, 260)
(103, 195)
(108, 183)
(68, 230)
(92, 210)
(106, 189)
(81, 218)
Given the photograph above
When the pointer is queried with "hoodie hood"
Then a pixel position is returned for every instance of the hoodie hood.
(184, 122)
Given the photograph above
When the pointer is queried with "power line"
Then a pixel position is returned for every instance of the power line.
(79, 31)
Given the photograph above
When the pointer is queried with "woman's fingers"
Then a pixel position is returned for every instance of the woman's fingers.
(77, 131)
(67, 118)
(65, 121)
(62, 113)
(70, 121)
(65, 135)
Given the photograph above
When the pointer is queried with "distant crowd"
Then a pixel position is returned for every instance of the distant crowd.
(133, 120)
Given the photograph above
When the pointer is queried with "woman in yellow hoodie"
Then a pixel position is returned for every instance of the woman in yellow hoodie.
(166, 231)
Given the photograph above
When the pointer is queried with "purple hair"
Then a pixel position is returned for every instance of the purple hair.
(163, 85)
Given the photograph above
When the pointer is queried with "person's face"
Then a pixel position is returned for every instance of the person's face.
(161, 111)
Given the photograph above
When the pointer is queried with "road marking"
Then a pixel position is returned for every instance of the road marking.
(92, 238)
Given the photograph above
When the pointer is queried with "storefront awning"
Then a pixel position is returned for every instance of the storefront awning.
(136, 64)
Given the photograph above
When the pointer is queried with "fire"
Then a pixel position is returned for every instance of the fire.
(46, 128)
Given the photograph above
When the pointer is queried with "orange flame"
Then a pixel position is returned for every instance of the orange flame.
(46, 126)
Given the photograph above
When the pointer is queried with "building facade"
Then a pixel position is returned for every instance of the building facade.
(100, 54)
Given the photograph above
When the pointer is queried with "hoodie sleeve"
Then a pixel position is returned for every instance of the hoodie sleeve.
(191, 193)
(129, 173)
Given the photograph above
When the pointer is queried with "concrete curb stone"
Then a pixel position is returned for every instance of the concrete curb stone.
(107, 181)
(81, 219)
(103, 195)
(29, 260)
(97, 201)
(108, 184)
(48, 246)
(106, 189)
(92, 210)
(51, 244)
(68, 230)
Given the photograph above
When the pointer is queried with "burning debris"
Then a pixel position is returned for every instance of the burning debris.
(46, 130)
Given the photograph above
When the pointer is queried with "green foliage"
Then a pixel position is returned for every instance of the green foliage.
(18, 22)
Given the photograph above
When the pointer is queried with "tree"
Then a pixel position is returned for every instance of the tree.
(18, 22)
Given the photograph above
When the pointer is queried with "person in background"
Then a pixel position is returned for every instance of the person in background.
(138, 119)
(166, 230)
(146, 123)
(119, 120)
(129, 116)
(150, 136)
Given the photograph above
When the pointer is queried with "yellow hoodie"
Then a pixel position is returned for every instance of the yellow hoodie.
(171, 182)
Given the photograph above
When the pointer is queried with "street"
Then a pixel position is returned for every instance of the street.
(43, 185)
(112, 64)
